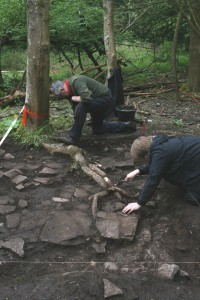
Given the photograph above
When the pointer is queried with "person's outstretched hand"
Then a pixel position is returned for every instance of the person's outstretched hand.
(131, 175)
(131, 207)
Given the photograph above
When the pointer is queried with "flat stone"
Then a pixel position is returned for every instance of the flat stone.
(47, 171)
(6, 209)
(81, 194)
(13, 220)
(13, 173)
(4, 200)
(43, 180)
(19, 179)
(54, 165)
(67, 228)
(110, 289)
(116, 225)
(15, 245)
(20, 187)
(22, 203)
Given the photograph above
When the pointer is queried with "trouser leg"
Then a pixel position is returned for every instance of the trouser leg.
(80, 114)
(98, 108)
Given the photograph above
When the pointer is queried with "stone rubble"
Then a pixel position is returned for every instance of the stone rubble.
(64, 216)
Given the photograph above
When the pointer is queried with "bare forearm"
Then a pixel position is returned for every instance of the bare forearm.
(76, 98)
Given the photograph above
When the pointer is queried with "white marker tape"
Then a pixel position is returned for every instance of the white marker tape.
(10, 128)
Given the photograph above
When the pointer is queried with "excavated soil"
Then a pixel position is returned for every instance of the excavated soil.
(167, 231)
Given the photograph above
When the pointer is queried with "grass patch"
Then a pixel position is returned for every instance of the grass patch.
(28, 136)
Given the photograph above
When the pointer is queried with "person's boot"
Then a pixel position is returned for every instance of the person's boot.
(130, 126)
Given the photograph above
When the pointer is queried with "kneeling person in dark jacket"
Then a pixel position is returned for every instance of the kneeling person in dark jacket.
(176, 159)
(88, 96)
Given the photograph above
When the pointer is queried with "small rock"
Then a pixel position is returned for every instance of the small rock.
(22, 203)
(8, 156)
(13, 173)
(2, 153)
(15, 245)
(13, 220)
(110, 289)
(61, 200)
(20, 187)
(119, 206)
(110, 266)
(168, 271)
(43, 180)
(19, 179)
(99, 247)
(183, 274)
(125, 270)
(80, 194)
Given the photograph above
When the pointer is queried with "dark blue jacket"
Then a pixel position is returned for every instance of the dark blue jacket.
(175, 159)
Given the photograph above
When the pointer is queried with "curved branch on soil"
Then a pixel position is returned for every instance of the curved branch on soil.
(91, 170)
(95, 199)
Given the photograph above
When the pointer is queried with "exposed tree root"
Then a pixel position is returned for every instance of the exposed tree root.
(91, 170)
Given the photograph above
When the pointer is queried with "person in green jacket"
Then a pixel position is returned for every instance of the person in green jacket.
(88, 96)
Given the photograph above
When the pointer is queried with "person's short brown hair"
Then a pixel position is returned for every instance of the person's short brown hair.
(140, 148)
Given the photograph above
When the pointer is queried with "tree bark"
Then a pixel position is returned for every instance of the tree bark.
(174, 49)
(1, 77)
(109, 36)
(194, 49)
(37, 78)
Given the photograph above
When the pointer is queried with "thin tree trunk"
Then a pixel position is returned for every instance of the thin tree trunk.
(109, 36)
(194, 49)
(1, 76)
(174, 49)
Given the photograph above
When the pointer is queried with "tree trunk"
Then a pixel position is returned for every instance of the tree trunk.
(174, 50)
(1, 76)
(109, 36)
(194, 49)
(37, 78)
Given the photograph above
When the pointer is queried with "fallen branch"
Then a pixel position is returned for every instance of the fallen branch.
(95, 199)
(11, 98)
(150, 94)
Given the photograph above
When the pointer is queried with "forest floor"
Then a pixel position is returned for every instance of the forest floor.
(51, 247)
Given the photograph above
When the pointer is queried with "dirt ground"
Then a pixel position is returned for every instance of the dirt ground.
(167, 231)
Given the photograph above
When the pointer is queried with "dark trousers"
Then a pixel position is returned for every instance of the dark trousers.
(192, 197)
(97, 108)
